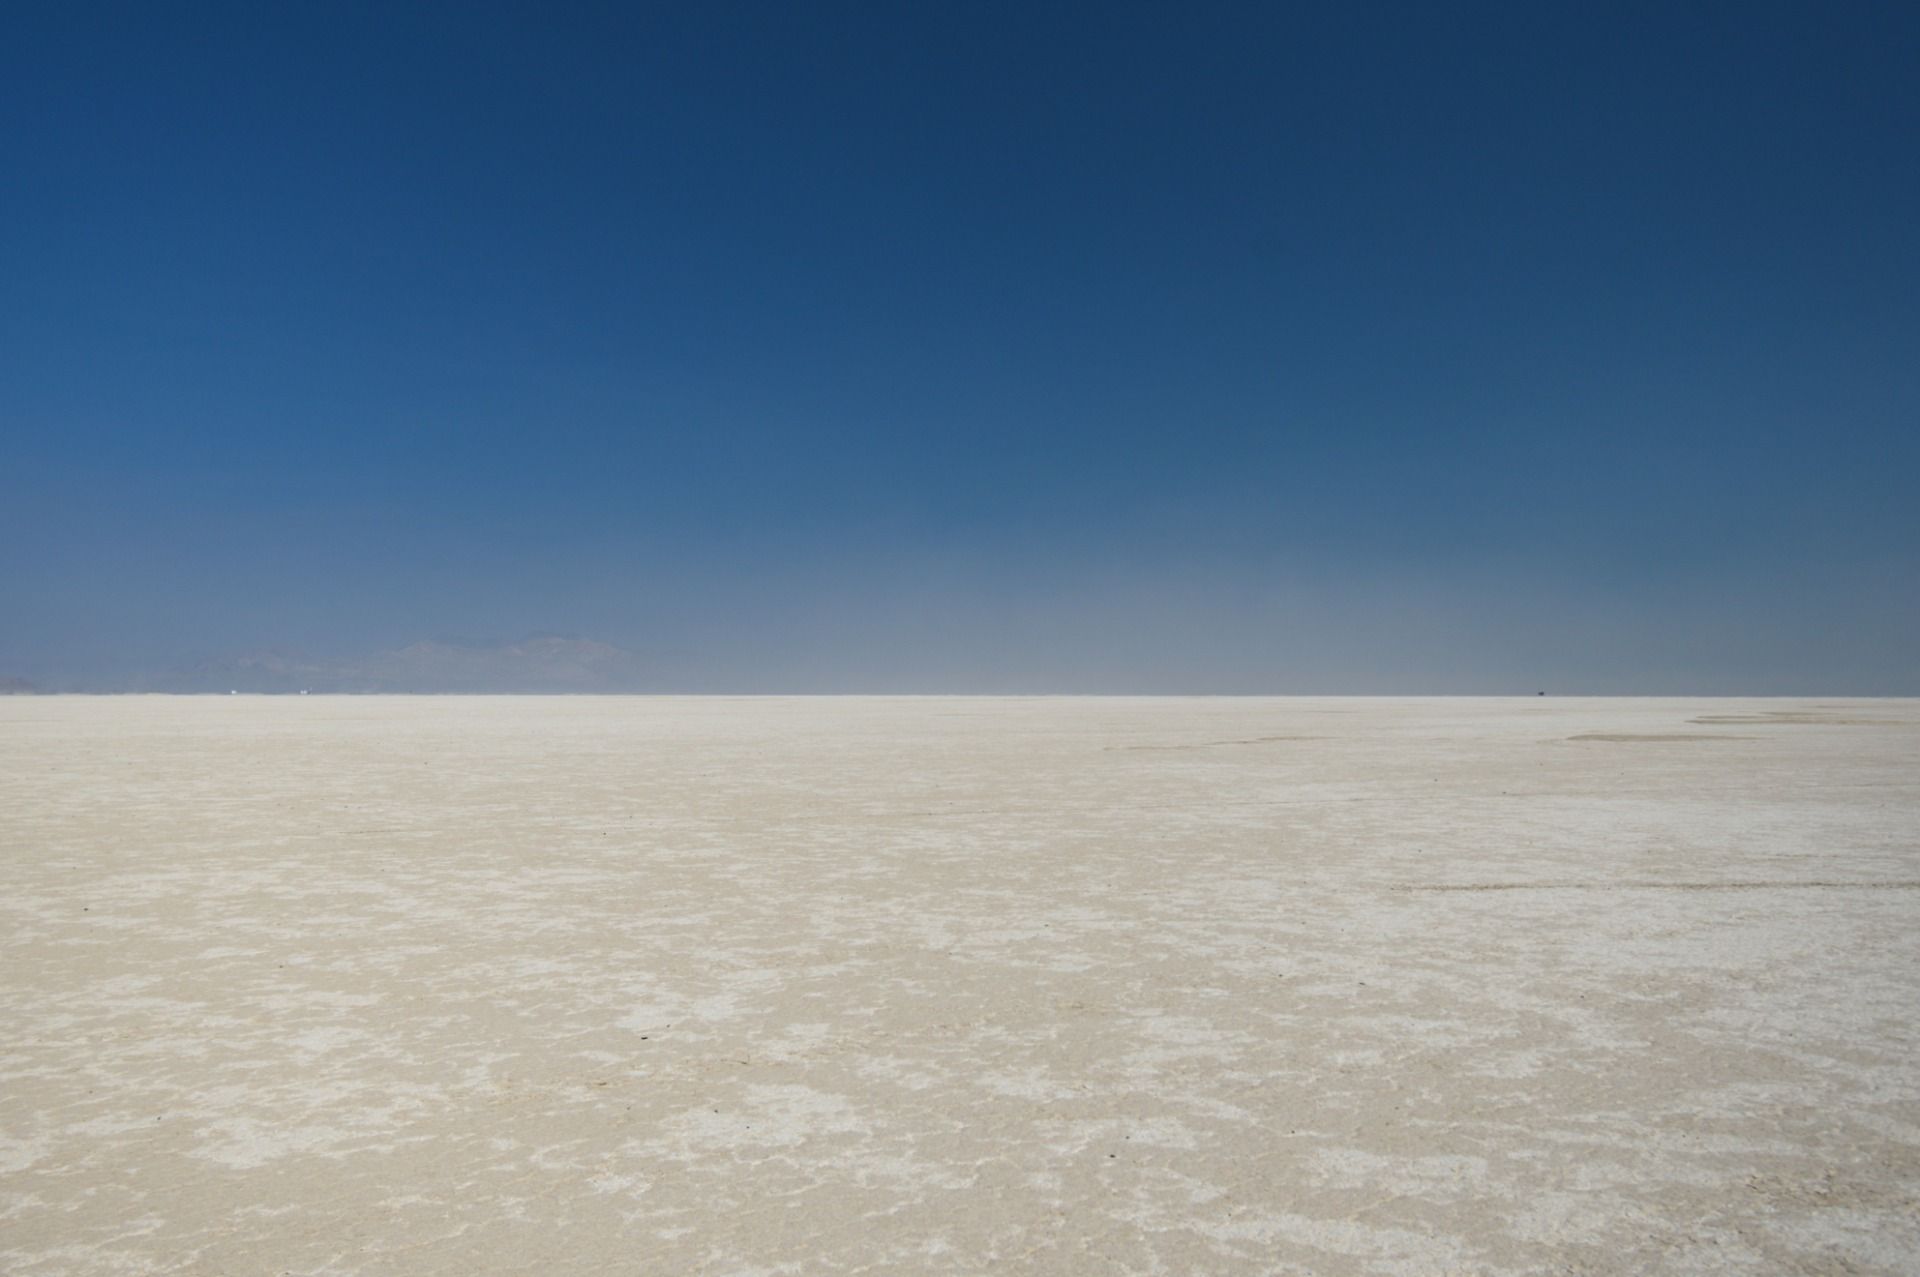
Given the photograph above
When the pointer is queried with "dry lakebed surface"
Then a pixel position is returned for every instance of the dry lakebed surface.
(664, 985)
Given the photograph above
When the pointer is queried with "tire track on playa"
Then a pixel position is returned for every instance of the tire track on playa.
(1810, 884)
(1210, 744)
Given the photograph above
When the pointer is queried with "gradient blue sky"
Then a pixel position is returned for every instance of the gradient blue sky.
(984, 347)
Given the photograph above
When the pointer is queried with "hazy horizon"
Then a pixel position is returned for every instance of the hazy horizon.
(573, 665)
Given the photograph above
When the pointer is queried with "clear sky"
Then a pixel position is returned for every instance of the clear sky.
(971, 347)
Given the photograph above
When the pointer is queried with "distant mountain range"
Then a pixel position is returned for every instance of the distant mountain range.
(545, 664)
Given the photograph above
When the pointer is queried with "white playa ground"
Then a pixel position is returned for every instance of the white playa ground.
(336, 985)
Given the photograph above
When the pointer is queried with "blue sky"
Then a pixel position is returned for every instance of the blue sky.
(1238, 348)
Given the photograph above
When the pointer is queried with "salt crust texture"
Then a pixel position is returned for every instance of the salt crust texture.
(336, 985)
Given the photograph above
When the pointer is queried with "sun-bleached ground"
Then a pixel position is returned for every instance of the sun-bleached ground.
(1187, 986)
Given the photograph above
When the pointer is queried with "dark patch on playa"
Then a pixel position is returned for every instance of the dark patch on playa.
(1790, 717)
